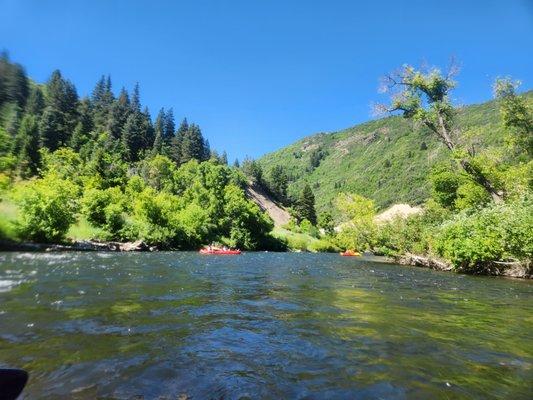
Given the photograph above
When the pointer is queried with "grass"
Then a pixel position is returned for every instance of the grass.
(8, 216)
(82, 230)
(303, 241)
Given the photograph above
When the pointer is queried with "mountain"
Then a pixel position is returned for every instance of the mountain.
(387, 160)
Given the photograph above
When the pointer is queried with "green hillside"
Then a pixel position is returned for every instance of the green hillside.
(387, 159)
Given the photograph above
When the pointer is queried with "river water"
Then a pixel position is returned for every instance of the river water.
(176, 325)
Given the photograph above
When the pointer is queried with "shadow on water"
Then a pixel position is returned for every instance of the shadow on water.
(261, 325)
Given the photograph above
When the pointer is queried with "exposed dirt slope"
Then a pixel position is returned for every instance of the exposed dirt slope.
(397, 211)
(279, 215)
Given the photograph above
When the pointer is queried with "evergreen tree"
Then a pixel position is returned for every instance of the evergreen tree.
(252, 170)
(98, 94)
(82, 131)
(137, 135)
(149, 134)
(51, 127)
(108, 93)
(13, 121)
(14, 86)
(118, 114)
(132, 136)
(278, 182)
(206, 149)
(102, 101)
(224, 158)
(29, 158)
(236, 163)
(159, 124)
(170, 127)
(62, 101)
(177, 140)
(35, 104)
(161, 127)
(157, 148)
(136, 99)
(193, 145)
(61, 94)
(305, 206)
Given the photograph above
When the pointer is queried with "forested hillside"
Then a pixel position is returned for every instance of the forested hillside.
(99, 167)
(387, 160)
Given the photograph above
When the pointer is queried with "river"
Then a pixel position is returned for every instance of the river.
(174, 325)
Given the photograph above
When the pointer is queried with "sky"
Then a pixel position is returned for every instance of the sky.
(259, 75)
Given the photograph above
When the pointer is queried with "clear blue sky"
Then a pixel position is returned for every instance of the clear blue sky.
(257, 75)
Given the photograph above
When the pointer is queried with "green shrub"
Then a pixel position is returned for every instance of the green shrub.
(322, 246)
(471, 195)
(402, 235)
(104, 209)
(152, 218)
(114, 220)
(499, 232)
(47, 208)
(307, 227)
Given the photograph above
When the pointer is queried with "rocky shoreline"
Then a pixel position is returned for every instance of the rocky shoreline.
(506, 269)
(78, 245)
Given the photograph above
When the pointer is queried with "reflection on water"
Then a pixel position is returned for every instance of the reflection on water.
(179, 325)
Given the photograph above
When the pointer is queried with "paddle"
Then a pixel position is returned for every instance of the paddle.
(12, 381)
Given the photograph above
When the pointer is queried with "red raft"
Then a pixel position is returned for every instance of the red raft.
(220, 251)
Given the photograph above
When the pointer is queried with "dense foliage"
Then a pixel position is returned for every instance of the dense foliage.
(101, 161)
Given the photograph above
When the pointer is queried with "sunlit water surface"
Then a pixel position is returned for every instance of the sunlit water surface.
(261, 325)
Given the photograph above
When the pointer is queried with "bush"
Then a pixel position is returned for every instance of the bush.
(322, 246)
(402, 235)
(499, 232)
(246, 224)
(104, 209)
(152, 218)
(47, 208)
(307, 227)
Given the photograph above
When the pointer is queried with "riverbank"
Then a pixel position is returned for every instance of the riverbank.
(495, 268)
(77, 245)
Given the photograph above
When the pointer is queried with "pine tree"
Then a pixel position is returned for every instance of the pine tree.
(62, 100)
(160, 127)
(224, 158)
(137, 135)
(14, 85)
(159, 124)
(206, 153)
(35, 104)
(193, 145)
(236, 163)
(51, 127)
(305, 206)
(82, 131)
(13, 121)
(102, 101)
(252, 170)
(98, 94)
(132, 136)
(118, 114)
(149, 134)
(278, 182)
(157, 148)
(29, 158)
(136, 99)
(170, 126)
